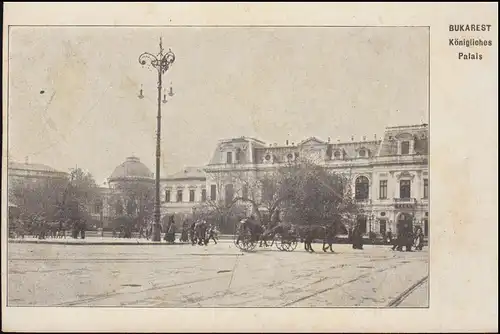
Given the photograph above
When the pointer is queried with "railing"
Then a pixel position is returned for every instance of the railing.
(405, 200)
(363, 201)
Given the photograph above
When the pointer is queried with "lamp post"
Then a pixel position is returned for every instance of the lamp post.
(161, 62)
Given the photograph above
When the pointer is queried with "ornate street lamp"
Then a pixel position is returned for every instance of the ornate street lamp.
(161, 63)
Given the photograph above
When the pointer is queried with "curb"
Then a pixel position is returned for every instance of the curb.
(93, 243)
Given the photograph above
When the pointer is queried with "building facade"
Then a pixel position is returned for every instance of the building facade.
(30, 171)
(390, 176)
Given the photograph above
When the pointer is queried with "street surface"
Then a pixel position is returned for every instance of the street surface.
(219, 275)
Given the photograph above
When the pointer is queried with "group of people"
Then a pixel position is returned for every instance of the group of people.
(38, 226)
(201, 232)
(198, 232)
(407, 239)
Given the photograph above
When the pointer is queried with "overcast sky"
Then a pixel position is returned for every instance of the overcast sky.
(271, 83)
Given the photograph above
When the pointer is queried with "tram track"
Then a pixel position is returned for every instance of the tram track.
(362, 264)
(101, 297)
(144, 295)
(340, 285)
(405, 294)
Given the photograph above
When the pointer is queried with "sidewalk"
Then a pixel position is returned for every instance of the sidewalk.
(93, 241)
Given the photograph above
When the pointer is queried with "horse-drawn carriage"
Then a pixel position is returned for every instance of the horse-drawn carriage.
(249, 234)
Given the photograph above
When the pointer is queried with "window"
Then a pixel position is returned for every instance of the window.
(191, 195)
(97, 207)
(229, 157)
(362, 188)
(179, 195)
(203, 195)
(229, 193)
(405, 189)
(238, 155)
(131, 207)
(336, 154)
(426, 188)
(213, 192)
(405, 147)
(362, 153)
(267, 191)
(426, 227)
(119, 208)
(383, 189)
(245, 192)
(167, 196)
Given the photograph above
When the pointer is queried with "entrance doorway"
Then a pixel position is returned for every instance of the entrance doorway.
(362, 223)
(383, 227)
(405, 223)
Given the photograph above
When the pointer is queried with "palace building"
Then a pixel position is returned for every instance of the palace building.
(390, 176)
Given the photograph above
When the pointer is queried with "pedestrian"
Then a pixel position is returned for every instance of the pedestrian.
(419, 239)
(328, 238)
(211, 234)
(357, 238)
(389, 237)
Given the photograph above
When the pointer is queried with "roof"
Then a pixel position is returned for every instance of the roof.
(311, 139)
(188, 173)
(351, 148)
(132, 167)
(33, 167)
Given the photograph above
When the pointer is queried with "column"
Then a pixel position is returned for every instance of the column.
(418, 186)
(391, 186)
(374, 186)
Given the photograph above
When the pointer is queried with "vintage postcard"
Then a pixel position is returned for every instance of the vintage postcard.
(248, 167)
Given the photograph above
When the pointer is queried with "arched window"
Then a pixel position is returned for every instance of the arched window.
(362, 188)
(336, 154)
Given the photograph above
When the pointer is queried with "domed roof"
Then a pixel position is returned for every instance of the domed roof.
(132, 167)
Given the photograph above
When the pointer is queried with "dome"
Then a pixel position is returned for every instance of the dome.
(132, 168)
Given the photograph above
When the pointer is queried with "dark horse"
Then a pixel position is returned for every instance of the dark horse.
(310, 233)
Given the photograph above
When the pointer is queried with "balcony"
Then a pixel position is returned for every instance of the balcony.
(405, 203)
(365, 201)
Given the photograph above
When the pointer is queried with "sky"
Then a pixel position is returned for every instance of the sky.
(73, 90)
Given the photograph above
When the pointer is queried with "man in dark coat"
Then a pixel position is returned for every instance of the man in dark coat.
(357, 238)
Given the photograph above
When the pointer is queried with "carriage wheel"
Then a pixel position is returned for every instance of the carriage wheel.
(246, 243)
(293, 245)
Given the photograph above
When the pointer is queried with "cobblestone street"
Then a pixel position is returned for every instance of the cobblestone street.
(212, 276)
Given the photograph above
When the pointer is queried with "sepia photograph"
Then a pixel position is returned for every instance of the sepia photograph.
(194, 167)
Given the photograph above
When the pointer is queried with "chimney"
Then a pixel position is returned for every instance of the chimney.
(26, 160)
(375, 136)
(329, 139)
(287, 142)
(338, 141)
(364, 138)
(352, 138)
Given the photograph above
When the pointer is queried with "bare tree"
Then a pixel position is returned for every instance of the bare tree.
(38, 196)
(134, 202)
